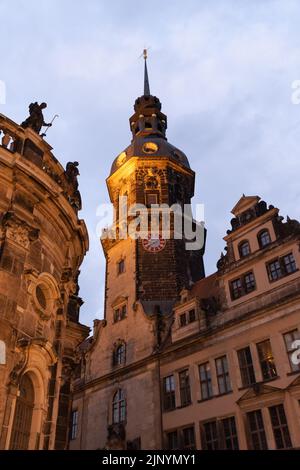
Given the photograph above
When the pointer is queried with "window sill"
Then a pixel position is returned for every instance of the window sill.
(294, 372)
(206, 399)
(169, 410)
(183, 406)
(246, 387)
(223, 394)
(271, 281)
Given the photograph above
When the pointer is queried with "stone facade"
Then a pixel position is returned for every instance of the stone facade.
(42, 244)
(183, 361)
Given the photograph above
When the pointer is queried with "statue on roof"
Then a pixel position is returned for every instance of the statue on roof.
(35, 121)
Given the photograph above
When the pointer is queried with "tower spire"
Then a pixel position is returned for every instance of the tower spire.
(146, 78)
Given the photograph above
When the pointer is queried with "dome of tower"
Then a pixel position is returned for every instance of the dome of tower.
(150, 146)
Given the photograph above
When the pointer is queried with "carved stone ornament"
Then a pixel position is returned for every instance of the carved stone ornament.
(19, 231)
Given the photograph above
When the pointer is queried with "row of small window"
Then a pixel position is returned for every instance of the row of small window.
(118, 413)
(187, 317)
(221, 434)
(267, 364)
(263, 238)
(276, 269)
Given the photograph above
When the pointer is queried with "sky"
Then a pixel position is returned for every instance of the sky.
(223, 71)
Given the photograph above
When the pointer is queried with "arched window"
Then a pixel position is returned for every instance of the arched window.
(264, 238)
(119, 355)
(119, 407)
(244, 248)
(23, 415)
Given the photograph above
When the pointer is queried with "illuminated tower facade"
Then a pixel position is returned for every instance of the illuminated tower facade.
(144, 278)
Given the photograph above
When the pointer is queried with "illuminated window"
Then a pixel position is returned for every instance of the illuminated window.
(266, 360)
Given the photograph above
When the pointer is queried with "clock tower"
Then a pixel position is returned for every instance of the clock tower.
(151, 172)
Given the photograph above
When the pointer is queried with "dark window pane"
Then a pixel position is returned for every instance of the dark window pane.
(246, 366)
(184, 385)
(280, 427)
(256, 430)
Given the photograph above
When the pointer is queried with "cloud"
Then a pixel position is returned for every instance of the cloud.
(223, 71)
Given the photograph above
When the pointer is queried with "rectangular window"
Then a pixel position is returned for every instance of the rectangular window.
(120, 313)
(192, 316)
(280, 427)
(246, 367)
(223, 375)
(205, 381)
(210, 439)
(230, 433)
(266, 360)
(281, 267)
(151, 199)
(169, 393)
(289, 339)
(249, 282)
(236, 289)
(242, 286)
(185, 389)
(183, 321)
(172, 438)
(74, 424)
(121, 266)
(256, 429)
(188, 438)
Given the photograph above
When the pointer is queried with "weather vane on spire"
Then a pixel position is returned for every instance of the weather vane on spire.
(146, 78)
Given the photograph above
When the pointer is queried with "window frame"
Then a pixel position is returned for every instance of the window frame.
(247, 371)
(74, 424)
(225, 375)
(263, 361)
(119, 358)
(243, 288)
(169, 396)
(257, 435)
(280, 269)
(242, 244)
(206, 383)
(281, 430)
(185, 388)
(259, 238)
(119, 407)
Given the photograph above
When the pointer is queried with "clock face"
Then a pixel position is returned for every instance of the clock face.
(153, 245)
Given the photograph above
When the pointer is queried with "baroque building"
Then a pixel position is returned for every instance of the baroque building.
(42, 244)
(180, 360)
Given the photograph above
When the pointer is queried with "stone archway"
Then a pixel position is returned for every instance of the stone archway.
(21, 429)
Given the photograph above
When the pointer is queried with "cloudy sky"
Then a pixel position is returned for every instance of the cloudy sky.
(222, 69)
